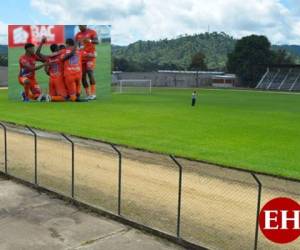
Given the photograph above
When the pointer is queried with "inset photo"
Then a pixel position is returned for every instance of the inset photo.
(58, 63)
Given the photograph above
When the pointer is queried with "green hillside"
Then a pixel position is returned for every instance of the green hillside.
(293, 49)
(177, 53)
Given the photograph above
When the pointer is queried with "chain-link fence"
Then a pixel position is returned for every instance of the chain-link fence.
(195, 204)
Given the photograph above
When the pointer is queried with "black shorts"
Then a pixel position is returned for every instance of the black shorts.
(193, 102)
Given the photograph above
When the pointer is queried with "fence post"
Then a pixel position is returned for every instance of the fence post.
(5, 146)
(120, 177)
(258, 209)
(73, 164)
(35, 154)
(179, 195)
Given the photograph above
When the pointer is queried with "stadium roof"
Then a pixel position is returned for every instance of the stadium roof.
(227, 76)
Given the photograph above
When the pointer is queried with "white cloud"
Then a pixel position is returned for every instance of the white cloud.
(155, 19)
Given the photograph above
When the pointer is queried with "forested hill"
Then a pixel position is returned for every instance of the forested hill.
(292, 49)
(177, 53)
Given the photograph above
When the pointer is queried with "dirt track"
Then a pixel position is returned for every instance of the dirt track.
(218, 205)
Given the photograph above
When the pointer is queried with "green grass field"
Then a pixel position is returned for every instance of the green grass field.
(247, 129)
(102, 72)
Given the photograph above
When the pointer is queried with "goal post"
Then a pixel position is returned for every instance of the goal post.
(134, 86)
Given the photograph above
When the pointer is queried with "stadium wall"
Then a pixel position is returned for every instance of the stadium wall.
(179, 79)
(3, 76)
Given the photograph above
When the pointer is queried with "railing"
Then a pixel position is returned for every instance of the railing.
(188, 183)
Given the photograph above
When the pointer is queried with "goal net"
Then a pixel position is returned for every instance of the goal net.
(134, 86)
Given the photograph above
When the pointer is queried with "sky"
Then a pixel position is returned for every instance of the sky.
(134, 20)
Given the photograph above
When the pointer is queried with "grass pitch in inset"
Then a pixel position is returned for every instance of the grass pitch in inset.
(102, 72)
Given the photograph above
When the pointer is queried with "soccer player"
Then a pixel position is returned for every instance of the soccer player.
(87, 39)
(27, 62)
(72, 69)
(55, 70)
(194, 98)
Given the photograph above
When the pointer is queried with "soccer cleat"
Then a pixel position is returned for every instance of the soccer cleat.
(82, 100)
(42, 98)
(24, 98)
(92, 97)
(23, 95)
(47, 98)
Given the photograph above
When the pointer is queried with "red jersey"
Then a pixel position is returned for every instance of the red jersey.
(87, 46)
(87, 56)
(56, 66)
(24, 62)
(72, 66)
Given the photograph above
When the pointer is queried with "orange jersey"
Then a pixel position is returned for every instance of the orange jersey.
(57, 87)
(56, 66)
(24, 62)
(72, 66)
(87, 56)
(87, 46)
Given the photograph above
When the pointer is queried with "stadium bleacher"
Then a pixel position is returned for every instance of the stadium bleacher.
(281, 77)
(296, 86)
(293, 77)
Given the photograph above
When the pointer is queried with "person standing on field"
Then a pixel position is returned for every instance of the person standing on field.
(194, 98)
(71, 57)
(87, 40)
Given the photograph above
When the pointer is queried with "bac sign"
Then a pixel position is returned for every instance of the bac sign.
(18, 35)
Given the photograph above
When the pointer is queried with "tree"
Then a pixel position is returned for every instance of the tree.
(249, 59)
(198, 62)
(169, 66)
(3, 60)
(120, 64)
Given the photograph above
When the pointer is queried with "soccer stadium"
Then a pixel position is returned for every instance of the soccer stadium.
(181, 176)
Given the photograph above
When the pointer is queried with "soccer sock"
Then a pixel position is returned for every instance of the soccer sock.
(87, 91)
(27, 91)
(35, 96)
(73, 98)
(93, 89)
(31, 96)
(78, 89)
(57, 99)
